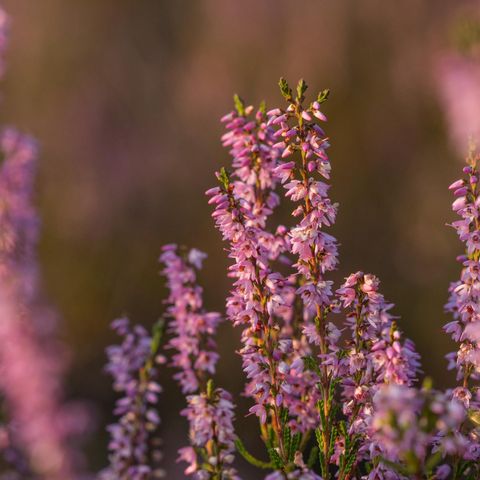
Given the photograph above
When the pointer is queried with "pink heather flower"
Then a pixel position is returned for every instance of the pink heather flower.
(262, 298)
(31, 387)
(465, 293)
(192, 328)
(4, 31)
(210, 413)
(19, 220)
(374, 355)
(31, 379)
(459, 83)
(134, 443)
(410, 425)
(315, 249)
(210, 417)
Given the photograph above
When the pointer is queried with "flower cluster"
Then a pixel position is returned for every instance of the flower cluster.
(18, 217)
(135, 445)
(464, 302)
(192, 328)
(334, 399)
(210, 412)
(31, 378)
(419, 433)
(210, 415)
(285, 315)
(375, 354)
(263, 298)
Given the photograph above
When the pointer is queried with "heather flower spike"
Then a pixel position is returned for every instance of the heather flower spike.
(134, 446)
(417, 433)
(373, 357)
(37, 420)
(465, 293)
(262, 300)
(314, 250)
(209, 410)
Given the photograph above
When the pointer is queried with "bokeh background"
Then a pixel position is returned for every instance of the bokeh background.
(125, 98)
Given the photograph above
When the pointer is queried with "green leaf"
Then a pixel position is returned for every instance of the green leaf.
(396, 466)
(351, 460)
(284, 416)
(433, 461)
(224, 178)
(318, 436)
(295, 443)
(311, 364)
(312, 457)
(333, 437)
(323, 95)
(275, 458)
(427, 384)
(285, 89)
(474, 416)
(321, 410)
(287, 440)
(301, 89)
(263, 107)
(239, 105)
(210, 388)
(249, 457)
(157, 335)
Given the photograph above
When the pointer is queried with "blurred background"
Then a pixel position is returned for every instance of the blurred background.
(125, 98)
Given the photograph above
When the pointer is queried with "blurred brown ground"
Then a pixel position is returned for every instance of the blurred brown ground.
(125, 98)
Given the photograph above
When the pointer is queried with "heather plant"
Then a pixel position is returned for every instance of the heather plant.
(330, 377)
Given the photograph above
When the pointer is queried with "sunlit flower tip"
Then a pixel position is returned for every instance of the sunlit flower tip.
(228, 117)
(459, 203)
(260, 412)
(213, 191)
(188, 455)
(320, 115)
(306, 116)
(249, 110)
(460, 192)
(457, 184)
(282, 118)
(196, 258)
(472, 331)
(275, 112)
(287, 152)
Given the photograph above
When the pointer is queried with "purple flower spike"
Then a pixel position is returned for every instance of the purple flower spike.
(210, 412)
(192, 328)
(374, 356)
(465, 293)
(134, 444)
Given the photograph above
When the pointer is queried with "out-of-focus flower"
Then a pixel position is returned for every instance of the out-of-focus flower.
(30, 378)
(134, 442)
(459, 82)
(412, 425)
